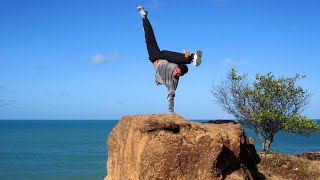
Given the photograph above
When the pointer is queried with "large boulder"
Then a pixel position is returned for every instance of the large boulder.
(167, 146)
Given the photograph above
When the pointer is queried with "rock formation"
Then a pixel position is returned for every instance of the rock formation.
(167, 146)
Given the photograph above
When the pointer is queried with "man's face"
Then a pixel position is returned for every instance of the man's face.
(176, 72)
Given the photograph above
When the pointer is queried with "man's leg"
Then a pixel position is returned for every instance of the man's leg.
(181, 58)
(152, 45)
(154, 50)
(175, 57)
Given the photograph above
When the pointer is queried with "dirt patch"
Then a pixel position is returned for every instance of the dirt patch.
(310, 155)
(283, 166)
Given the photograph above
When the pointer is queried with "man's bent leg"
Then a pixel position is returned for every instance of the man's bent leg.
(175, 57)
(152, 45)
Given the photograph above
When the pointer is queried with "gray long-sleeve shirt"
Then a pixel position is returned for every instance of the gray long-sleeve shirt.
(164, 77)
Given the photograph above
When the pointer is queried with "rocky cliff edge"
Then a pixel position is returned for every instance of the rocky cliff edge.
(167, 146)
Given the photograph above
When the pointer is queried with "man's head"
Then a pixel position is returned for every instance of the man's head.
(180, 70)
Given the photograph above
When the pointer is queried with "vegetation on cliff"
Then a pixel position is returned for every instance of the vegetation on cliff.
(267, 106)
(275, 166)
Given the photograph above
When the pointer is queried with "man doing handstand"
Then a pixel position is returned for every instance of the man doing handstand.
(169, 65)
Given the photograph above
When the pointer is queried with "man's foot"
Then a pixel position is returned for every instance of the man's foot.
(142, 12)
(197, 58)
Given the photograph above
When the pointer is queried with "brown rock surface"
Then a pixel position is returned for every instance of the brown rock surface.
(167, 146)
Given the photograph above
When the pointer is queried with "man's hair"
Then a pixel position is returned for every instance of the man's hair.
(183, 68)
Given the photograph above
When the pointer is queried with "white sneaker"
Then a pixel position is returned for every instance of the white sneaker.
(197, 58)
(142, 12)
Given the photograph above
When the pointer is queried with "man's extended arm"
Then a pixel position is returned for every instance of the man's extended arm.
(171, 95)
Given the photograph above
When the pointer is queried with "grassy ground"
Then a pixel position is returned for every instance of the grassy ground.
(277, 166)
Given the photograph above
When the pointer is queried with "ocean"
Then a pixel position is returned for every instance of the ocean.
(77, 150)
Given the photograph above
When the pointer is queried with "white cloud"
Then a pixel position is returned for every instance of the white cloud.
(154, 4)
(231, 62)
(101, 58)
(115, 56)
(98, 59)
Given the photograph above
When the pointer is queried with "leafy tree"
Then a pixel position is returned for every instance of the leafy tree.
(267, 106)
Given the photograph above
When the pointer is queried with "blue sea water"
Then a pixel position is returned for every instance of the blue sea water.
(76, 149)
(53, 150)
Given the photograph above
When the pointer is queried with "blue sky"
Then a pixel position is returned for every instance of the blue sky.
(76, 59)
